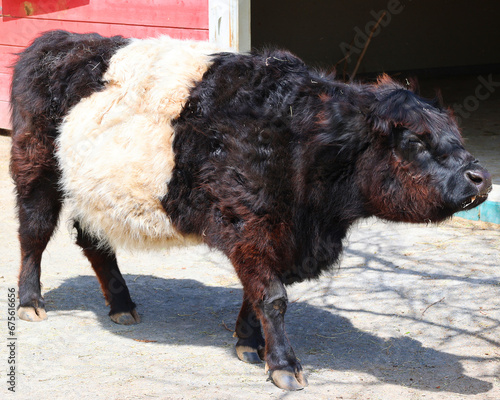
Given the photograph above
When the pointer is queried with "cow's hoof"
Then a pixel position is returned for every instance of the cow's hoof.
(288, 380)
(249, 354)
(126, 318)
(32, 314)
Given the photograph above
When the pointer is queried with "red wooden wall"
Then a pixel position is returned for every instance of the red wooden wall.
(22, 21)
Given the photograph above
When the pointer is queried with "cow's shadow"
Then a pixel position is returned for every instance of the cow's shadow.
(186, 311)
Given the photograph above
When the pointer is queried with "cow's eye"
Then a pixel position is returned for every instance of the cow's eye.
(410, 147)
(415, 142)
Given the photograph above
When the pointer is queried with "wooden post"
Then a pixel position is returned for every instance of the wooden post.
(229, 24)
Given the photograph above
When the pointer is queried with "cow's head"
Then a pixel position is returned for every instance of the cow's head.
(416, 168)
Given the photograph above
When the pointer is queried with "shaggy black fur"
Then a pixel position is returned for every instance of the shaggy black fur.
(275, 162)
(56, 71)
(281, 148)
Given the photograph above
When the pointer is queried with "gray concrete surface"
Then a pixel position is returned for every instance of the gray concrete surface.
(412, 312)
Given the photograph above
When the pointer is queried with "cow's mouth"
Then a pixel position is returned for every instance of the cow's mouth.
(474, 201)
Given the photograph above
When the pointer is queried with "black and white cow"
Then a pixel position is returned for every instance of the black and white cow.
(160, 142)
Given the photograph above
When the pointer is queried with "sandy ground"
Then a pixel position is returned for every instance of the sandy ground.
(412, 312)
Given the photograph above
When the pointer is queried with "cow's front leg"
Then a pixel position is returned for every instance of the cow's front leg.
(265, 291)
(251, 345)
(284, 368)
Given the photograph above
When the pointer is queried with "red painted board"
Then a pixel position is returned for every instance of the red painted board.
(8, 57)
(4, 115)
(5, 86)
(165, 13)
(21, 32)
(22, 8)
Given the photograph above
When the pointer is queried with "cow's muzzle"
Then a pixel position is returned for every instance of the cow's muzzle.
(480, 179)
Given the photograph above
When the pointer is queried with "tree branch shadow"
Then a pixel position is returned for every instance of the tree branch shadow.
(185, 311)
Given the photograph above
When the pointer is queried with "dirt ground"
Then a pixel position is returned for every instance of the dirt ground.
(412, 312)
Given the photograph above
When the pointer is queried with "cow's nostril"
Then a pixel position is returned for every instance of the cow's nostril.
(480, 179)
(474, 177)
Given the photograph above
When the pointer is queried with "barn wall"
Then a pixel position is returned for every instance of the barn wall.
(22, 21)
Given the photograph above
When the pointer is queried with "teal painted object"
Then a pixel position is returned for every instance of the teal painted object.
(489, 211)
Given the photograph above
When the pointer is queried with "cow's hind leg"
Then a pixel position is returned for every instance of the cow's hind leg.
(35, 174)
(38, 216)
(251, 345)
(103, 261)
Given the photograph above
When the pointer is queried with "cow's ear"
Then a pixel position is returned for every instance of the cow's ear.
(390, 104)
